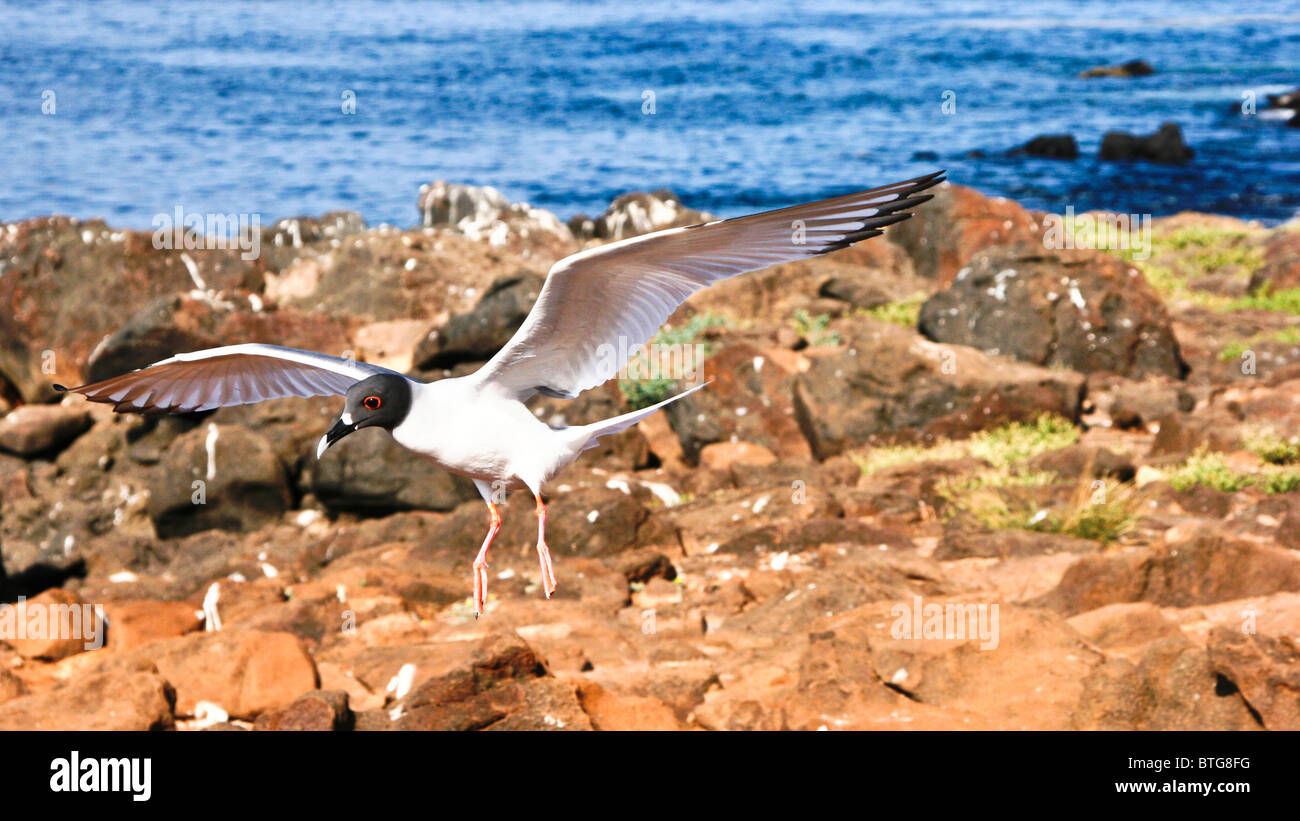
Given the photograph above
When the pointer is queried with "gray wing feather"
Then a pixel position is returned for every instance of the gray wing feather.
(609, 300)
(230, 375)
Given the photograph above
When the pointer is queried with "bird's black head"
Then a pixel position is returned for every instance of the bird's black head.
(382, 400)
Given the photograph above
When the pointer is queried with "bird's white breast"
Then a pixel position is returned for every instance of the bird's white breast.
(474, 433)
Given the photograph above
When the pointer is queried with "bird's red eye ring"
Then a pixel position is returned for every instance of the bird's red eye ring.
(372, 402)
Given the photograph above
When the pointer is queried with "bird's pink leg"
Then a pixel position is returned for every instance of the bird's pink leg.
(544, 552)
(480, 562)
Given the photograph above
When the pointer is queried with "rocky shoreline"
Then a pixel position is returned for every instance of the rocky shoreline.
(980, 412)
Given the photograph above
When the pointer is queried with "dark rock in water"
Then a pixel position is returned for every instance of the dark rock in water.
(368, 472)
(887, 382)
(1133, 68)
(637, 213)
(221, 477)
(1290, 99)
(477, 335)
(36, 430)
(1166, 145)
(1082, 310)
(925, 156)
(1054, 146)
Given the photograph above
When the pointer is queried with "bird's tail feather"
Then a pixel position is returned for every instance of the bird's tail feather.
(587, 435)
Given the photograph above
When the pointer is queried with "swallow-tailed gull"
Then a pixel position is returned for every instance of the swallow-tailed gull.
(612, 297)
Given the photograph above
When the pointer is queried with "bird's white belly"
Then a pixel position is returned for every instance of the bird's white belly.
(483, 439)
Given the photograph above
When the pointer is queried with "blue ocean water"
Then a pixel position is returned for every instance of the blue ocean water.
(238, 106)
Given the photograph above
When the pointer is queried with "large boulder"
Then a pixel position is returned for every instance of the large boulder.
(637, 213)
(888, 382)
(67, 283)
(244, 672)
(1257, 652)
(484, 213)
(186, 322)
(218, 476)
(1082, 310)
(748, 399)
(504, 685)
(121, 699)
(948, 230)
(477, 335)
(1281, 268)
(369, 472)
(385, 275)
(36, 430)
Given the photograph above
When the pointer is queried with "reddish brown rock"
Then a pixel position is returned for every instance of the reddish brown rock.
(723, 455)
(245, 672)
(318, 711)
(1171, 686)
(133, 624)
(1197, 567)
(117, 700)
(887, 381)
(609, 711)
(851, 672)
(504, 687)
(748, 399)
(69, 283)
(11, 686)
(1281, 268)
(947, 231)
(1260, 655)
(58, 624)
(189, 322)
(1124, 629)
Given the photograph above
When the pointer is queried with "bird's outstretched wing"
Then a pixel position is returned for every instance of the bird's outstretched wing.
(231, 375)
(623, 291)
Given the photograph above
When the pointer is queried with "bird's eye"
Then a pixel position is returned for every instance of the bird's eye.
(372, 402)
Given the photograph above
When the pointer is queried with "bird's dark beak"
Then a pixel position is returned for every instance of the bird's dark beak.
(335, 433)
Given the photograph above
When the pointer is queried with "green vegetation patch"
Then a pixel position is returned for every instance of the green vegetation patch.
(642, 392)
(904, 312)
(1002, 447)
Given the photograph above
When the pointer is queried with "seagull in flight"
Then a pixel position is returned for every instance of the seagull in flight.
(478, 425)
